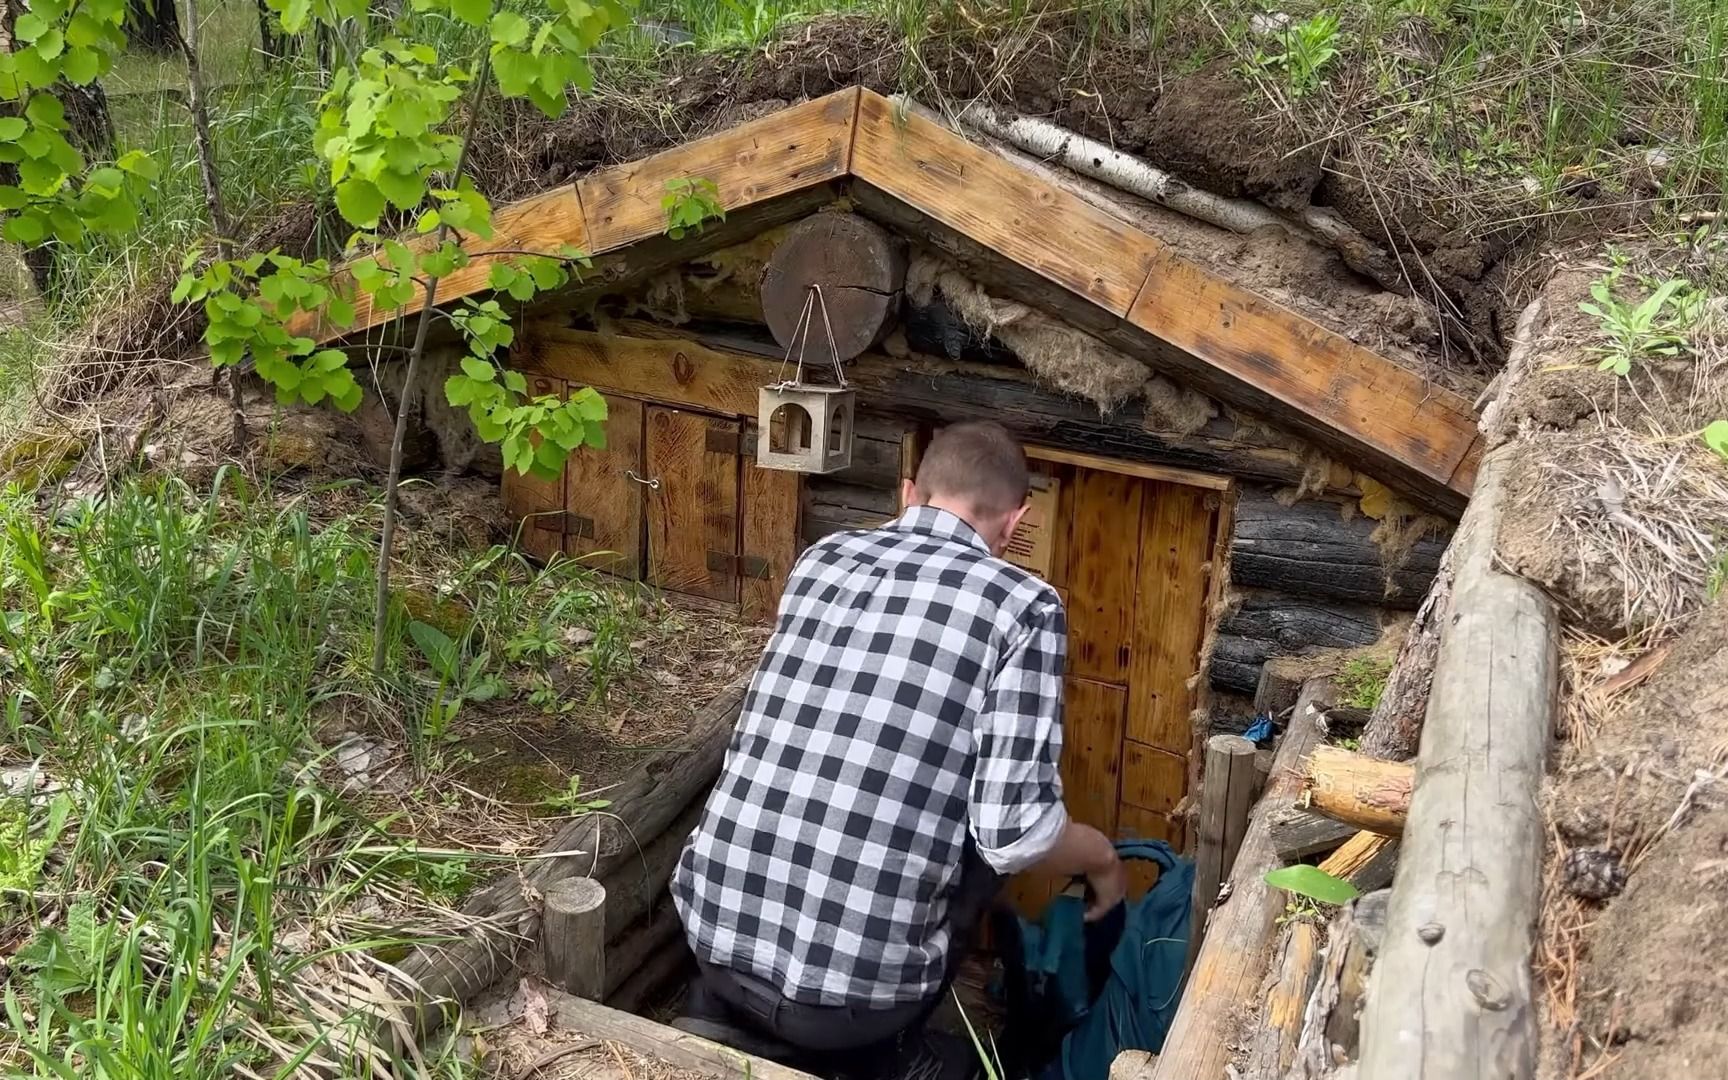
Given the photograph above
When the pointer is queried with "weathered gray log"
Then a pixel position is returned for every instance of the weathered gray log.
(1233, 958)
(1329, 1022)
(666, 1044)
(440, 977)
(1308, 549)
(573, 936)
(629, 951)
(1227, 785)
(1453, 996)
(637, 883)
(1299, 834)
(1295, 967)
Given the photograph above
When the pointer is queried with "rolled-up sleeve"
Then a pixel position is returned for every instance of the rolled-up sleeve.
(1017, 814)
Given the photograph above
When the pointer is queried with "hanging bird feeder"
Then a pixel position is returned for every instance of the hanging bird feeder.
(805, 427)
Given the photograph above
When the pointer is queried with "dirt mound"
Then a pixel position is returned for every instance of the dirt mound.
(1204, 129)
(1646, 793)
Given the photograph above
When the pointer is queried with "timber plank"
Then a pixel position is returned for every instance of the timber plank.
(768, 531)
(1307, 369)
(532, 502)
(1054, 233)
(677, 371)
(598, 489)
(694, 510)
(785, 152)
(1170, 613)
(1103, 555)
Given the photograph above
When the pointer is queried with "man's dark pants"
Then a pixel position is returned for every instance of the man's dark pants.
(868, 1041)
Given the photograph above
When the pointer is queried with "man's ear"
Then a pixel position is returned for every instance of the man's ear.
(908, 494)
(1015, 517)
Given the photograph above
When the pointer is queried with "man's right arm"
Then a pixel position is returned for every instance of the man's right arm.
(1083, 851)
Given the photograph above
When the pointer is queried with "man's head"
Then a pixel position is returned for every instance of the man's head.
(977, 471)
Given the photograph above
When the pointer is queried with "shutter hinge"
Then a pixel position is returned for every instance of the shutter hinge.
(745, 566)
(724, 440)
(565, 523)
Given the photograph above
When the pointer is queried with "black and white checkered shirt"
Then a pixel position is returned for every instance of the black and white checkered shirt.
(912, 691)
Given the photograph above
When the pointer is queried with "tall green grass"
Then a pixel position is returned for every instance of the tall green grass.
(187, 897)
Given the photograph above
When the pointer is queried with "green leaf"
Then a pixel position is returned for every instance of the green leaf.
(360, 202)
(50, 45)
(589, 405)
(478, 370)
(472, 12)
(83, 66)
(1716, 436)
(1313, 883)
(509, 28)
(140, 164)
(12, 198)
(26, 229)
(435, 645)
(12, 128)
(29, 26)
(404, 190)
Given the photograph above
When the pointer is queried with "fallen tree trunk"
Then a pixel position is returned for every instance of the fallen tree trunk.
(636, 884)
(1453, 994)
(439, 978)
(1233, 958)
(1358, 790)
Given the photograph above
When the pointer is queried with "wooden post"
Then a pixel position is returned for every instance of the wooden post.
(573, 936)
(1452, 994)
(1232, 959)
(1226, 794)
(1359, 790)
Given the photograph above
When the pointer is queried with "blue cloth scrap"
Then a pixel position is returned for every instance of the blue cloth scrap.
(1260, 731)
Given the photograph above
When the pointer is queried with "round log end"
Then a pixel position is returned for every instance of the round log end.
(861, 270)
(574, 896)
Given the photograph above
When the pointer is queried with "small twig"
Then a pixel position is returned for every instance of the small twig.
(554, 1056)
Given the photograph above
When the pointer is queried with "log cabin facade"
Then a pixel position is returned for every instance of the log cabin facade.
(1182, 558)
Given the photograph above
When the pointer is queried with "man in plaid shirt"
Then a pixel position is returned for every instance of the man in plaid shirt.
(896, 756)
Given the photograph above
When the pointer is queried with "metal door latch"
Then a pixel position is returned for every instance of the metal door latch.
(651, 485)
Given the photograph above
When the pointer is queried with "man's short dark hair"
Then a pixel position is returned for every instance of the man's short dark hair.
(978, 462)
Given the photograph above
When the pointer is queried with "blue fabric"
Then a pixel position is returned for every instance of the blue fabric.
(1137, 1001)
(1260, 731)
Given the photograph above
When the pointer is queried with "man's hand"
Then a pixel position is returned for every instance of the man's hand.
(1109, 887)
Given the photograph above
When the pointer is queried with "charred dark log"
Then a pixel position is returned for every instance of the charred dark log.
(1309, 549)
(1267, 625)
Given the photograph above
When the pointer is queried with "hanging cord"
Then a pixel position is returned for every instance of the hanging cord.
(801, 337)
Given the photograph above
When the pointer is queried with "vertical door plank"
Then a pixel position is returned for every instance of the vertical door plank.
(694, 511)
(535, 506)
(1103, 553)
(769, 532)
(1093, 714)
(1169, 614)
(1152, 779)
(605, 504)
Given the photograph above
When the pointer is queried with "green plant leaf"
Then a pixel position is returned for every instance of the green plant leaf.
(1716, 436)
(12, 128)
(1313, 883)
(435, 645)
(360, 202)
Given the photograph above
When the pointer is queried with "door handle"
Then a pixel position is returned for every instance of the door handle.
(651, 485)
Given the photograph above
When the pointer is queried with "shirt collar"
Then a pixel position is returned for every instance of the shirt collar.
(942, 524)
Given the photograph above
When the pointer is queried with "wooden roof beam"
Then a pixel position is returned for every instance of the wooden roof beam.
(1021, 235)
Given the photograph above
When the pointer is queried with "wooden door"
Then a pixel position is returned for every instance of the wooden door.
(692, 502)
(536, 506)
(604, 499)
(1131, 562)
